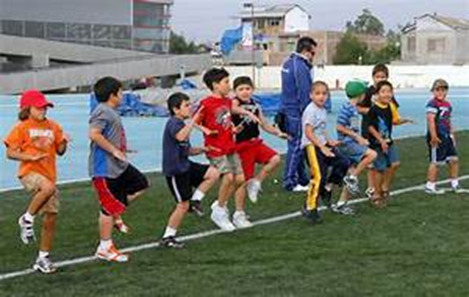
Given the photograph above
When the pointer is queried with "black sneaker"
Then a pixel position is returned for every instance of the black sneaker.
(312, 215)
(171, 242)
(196, 207)
(326, 198)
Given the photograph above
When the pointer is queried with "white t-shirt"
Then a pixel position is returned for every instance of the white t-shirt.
(316, 117)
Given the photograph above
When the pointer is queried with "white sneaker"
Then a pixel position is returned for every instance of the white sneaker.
(253, 188)
(26, 231)
(240, 220)
(220, 217)
(434, 191)
(112, 254)
(44, 265)
(300, 188)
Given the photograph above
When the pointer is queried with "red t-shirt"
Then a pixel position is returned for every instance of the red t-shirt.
(216, 116)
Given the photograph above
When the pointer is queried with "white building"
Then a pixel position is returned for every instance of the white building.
(435, 39)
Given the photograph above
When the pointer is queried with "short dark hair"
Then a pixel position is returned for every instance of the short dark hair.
(24, 113)
(214, 75)
(383, 83)
(319, 83)
(380, 68)
(175, 101)
(242, 80)
(305, 43)
(105, 87)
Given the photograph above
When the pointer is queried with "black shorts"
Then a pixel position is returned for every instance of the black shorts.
(182, 185)
(113, 192)
(444, 152)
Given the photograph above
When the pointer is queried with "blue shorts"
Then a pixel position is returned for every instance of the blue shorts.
(353, 151)
(385, 160)
(443, 153)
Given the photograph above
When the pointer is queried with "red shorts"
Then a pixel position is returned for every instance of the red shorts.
(253, 152)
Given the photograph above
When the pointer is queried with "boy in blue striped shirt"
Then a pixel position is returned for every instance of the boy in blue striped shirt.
(354, 145)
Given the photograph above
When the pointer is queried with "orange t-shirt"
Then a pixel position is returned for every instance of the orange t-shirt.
(34, 138)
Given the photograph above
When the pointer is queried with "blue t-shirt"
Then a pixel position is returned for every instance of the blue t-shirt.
(175, 153)
(350, 118)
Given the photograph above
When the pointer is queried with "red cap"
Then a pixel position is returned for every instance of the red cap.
(34, 98)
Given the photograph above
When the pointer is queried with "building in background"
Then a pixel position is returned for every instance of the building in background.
(142, 25)
(435, 39)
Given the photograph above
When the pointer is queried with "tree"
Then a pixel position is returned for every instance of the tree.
(351, 50)
(366, 23)
(178, 45)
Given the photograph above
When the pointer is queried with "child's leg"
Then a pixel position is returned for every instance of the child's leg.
(378, 182)
(225, 190)
(210, 178)
(45, 190)
(389, 176)
(454, 172)
(176, 218)
(316, 161)
(240, 194)
(432, 174)
(371, 178)
(368, 158)
(48, 231)
(106, 223)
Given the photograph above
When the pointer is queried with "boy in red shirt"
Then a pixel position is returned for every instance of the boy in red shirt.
(34, 142)
(217, 125)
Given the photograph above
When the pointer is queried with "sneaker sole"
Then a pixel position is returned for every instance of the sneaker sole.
(39, 269)
(100, 257)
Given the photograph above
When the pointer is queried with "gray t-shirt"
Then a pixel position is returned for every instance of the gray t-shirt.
(316, 117)
(101, 163)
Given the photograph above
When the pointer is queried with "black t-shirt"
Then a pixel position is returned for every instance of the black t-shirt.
(368, 103)
(381, 119)
(250, 128)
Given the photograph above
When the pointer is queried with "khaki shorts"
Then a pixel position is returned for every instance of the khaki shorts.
(227, 164)
(31, 183)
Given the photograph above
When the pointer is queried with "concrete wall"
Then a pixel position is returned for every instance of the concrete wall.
(85, 75)
(107, 12)
(337, 76)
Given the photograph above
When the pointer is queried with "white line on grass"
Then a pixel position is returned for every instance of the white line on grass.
(204, 234)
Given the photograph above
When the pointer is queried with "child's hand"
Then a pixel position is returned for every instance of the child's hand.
(210, 148)
(334, 143)
(120, 155)
(435, 141)
(207, 131)
(327, 152)
(131, 151)
(407, 121)
(238, 129)
(38, 157)
(67, 138)
(363, 141)
(384, 146)
(283, 135)
(254, 118)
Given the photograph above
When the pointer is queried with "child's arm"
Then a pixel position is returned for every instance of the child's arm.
(434, 140)
(309, 132)
(239, 110)
(96, 136)
(269, 128)
(349, 132)
(381, 140)
(185, 132)
(17, 155)
(194, 151)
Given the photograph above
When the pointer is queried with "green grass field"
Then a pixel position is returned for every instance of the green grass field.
(417, 246)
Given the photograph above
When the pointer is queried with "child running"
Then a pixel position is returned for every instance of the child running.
(380, 121)
(115, 180)
(35, 142)
(183, 175)
(250, 146)
(440, 139)
(354, 145)
(216, 122)
(321, 152)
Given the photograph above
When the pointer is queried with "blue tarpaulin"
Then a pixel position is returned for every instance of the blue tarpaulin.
(230, 39)
(132, 106)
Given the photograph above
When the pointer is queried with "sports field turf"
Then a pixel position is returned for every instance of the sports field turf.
(417, 246)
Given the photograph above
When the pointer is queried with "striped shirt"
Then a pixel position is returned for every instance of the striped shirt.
(349, 118)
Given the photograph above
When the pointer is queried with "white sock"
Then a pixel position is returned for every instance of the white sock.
(431, 185)
(169, 232)
(198, 195)
(105, 244)
(28, 217)
(353, 176)
(43, 254)
(454, 183)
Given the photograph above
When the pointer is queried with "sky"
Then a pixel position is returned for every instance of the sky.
(205, 20)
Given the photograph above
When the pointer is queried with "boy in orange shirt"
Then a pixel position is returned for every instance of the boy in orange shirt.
(34, 142)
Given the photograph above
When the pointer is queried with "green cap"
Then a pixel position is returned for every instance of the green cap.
(355, 88)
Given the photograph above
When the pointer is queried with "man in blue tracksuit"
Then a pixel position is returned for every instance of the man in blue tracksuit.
(297, 79)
